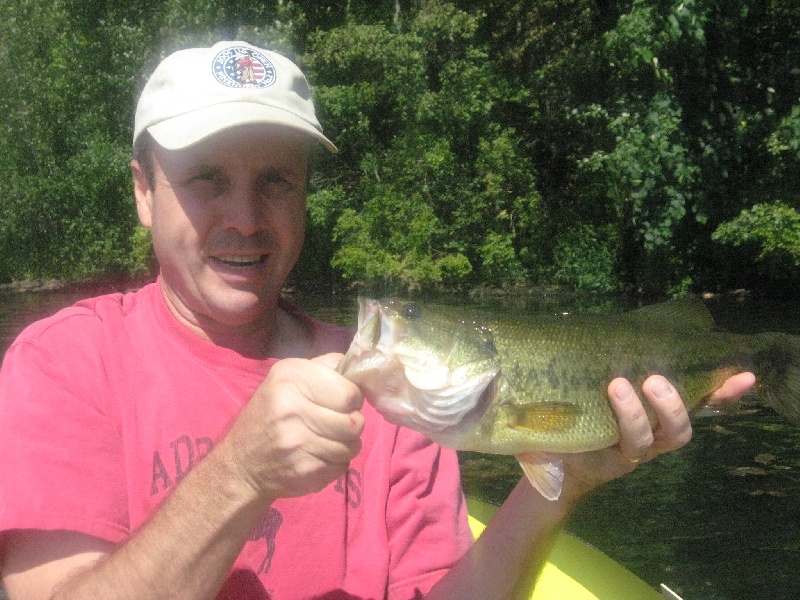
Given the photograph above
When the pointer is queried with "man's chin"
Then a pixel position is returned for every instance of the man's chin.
(237, 308)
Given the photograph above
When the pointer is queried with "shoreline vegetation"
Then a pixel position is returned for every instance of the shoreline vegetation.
(633, 149)
(90, 287)
(544, 293)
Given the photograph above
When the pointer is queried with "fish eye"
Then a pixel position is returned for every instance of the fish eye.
(412, 311)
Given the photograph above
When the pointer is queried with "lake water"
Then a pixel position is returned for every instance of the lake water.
(717, 520)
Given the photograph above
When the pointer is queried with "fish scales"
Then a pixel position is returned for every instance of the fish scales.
(572, 360)
(527, 385)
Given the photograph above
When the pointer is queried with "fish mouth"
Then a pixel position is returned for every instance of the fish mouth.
(426, 396)
(365, 339)
(377, 332)
(369, 324)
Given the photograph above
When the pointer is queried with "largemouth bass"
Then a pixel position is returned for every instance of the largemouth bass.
(531, 386)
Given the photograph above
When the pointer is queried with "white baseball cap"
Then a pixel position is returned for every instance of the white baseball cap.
(196, 93)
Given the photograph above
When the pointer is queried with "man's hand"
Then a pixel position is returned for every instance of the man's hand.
(299, 431)
(514, 546)
(639, 441)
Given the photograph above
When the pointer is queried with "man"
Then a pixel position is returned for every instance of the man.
(154, 445)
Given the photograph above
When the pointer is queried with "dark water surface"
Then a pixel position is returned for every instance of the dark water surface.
(717, 520)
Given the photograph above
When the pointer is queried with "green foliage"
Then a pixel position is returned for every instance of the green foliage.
(65, 192)
(787, 137)
(422, 108)
(651, 181)
(391, 241)
(74, 223)
(143, 257)
(774, 229)
(584, 259)
(499, 262)
(605, 146)
(507, 210)
(396, 237)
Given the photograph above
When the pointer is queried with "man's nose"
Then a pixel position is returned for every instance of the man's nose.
(246, 212)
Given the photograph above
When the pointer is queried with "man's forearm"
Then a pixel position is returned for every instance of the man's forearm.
(188, 547)
(513, 548)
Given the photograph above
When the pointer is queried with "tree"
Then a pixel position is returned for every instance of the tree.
(593, 143)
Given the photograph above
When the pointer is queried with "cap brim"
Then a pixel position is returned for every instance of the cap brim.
(188, 129)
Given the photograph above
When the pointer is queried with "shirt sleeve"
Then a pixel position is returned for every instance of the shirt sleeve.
(62, 465)
(426, 516)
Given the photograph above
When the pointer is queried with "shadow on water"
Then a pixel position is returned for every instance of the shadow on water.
(717, 520)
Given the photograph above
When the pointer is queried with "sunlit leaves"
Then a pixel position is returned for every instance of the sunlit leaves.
(390, 242)
(596, 144)
(586, 259)
(773, 229)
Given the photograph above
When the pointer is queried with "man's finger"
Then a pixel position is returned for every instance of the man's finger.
(674, 429)
(734, 388)
(636, 434)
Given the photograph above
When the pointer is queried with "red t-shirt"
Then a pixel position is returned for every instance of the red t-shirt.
(105, 406)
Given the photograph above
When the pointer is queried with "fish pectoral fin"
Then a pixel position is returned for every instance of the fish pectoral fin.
(543, 416)
(544, 471)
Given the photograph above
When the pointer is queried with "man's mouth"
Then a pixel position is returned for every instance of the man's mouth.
(241, 261)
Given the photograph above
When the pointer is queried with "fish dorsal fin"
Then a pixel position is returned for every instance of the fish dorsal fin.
(543, 416)
(687, 314)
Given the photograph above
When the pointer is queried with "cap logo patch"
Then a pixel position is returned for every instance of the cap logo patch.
(243, 67)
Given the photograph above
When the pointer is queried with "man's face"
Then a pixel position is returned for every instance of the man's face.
(228, 218)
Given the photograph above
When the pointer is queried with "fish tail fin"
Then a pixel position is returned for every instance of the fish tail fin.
(544, 471)
(779, 376)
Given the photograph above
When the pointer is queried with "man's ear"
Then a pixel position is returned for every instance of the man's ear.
(143, 193)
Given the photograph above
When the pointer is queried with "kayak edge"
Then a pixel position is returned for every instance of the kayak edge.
(574, 570)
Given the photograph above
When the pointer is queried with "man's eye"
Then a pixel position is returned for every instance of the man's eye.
(273, 184)
(208, 176)
(275, 179)
(208, 183)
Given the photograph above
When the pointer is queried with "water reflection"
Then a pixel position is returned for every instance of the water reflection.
(718, 520)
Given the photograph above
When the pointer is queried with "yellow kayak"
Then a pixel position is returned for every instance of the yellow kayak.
(574, 570)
